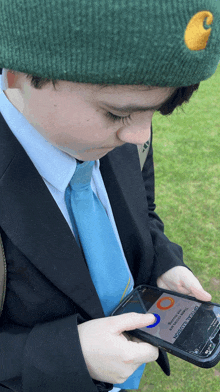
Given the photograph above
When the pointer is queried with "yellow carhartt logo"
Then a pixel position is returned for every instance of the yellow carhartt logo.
(196, 36)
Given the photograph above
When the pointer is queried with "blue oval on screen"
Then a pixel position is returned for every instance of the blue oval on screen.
(156, 322)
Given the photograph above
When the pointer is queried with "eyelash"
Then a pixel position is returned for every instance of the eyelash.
(118, 118)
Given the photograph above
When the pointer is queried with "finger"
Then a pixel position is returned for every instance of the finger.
(131, 338)
(130, 321)
(189, 285)
(136, 340)
(162, 285)
(144, 352)
(200, 294)
(127, 336)
(192, 284)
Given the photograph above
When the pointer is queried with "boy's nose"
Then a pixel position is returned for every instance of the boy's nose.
(135, 135)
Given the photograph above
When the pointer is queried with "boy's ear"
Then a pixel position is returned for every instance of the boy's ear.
(12, 79)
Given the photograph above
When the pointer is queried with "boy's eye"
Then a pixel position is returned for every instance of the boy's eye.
(117, 118)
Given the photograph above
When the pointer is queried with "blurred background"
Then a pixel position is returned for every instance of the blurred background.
(187, 169)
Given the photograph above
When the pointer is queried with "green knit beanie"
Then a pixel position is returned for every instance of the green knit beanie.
(151, 42)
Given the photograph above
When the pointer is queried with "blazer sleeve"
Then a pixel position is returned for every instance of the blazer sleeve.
(45, 358)
(166, 253)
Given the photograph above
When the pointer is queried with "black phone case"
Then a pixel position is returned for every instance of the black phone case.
(200, 362)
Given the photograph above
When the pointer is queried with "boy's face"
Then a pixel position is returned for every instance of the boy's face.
(74, 116)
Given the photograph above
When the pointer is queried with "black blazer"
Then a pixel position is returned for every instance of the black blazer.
(49, 288)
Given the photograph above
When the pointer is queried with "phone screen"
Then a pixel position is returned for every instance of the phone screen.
(184, 323)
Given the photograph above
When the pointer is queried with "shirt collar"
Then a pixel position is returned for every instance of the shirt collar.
(54, 165)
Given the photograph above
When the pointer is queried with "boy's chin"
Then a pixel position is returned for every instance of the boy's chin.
(89, 155)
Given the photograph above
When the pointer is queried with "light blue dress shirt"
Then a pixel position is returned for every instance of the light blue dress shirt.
(55, 166)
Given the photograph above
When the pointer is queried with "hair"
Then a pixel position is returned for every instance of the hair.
(181, 94)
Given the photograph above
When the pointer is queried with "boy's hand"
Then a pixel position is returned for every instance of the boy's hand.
(183, 281)
(108, 354)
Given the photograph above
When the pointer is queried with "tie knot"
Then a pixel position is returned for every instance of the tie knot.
(82, 176)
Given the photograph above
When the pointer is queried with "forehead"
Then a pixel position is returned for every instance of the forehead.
(117, 94)
(134, 90)
(128, 86)
(131, 88)
(127, 94)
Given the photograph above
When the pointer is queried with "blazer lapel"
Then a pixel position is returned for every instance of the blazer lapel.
(32, 220)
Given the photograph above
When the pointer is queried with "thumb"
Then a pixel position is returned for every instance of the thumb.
(130, 321)
(194, 287)
(199, 293)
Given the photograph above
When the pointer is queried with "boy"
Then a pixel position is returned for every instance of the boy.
(77, 215)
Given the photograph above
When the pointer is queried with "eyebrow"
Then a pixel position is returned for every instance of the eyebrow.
(133, 108)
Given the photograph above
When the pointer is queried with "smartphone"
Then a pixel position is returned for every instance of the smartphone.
(184, 326)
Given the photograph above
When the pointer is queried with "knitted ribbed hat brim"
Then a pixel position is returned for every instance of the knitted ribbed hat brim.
(150, 42)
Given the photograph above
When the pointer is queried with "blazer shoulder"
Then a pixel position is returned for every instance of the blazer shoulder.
(9, 145)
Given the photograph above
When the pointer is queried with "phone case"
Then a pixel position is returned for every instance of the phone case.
(200, 362)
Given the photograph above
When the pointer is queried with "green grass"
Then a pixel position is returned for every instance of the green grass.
(187, 169)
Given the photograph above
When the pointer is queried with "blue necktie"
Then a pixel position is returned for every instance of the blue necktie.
(94, 233)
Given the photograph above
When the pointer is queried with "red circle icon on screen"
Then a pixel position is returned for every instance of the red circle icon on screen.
(162, 306)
